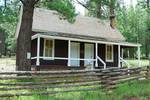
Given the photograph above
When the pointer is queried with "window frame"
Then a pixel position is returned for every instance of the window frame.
(53, 50)
(112, 53)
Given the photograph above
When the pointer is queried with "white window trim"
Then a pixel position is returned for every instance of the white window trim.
(53, 50)
(112, 60)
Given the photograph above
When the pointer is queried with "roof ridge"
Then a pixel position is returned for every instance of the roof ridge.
(80, 16)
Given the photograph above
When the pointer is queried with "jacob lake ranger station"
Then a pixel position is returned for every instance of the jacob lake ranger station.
(59, 45)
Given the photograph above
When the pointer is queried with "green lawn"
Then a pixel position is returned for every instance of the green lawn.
(137, 90)
(134, 63)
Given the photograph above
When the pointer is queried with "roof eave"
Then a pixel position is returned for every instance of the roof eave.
(92, 41)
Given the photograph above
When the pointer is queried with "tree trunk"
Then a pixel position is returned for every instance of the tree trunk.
(24, 38)
(148, 1)
(5, 3)
(146, 48)
(99, 9)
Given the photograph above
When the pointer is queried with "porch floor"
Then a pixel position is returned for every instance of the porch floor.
(59, 67)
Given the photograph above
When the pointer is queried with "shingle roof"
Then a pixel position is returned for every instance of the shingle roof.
(49, 21)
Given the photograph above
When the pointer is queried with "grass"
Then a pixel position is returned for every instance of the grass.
(135, 90)
(134, 63)
(138, 89)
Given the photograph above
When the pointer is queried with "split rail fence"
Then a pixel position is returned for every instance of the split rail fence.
(28, 83)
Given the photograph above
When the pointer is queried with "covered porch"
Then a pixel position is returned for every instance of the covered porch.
(77, 53)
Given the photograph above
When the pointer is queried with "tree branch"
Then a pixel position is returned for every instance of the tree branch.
(5, 3)
(22, 2)
(36, 1)
(82, 4)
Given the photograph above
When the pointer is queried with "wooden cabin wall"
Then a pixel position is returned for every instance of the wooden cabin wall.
(61, 50)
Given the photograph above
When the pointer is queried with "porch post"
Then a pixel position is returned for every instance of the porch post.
(119, 56)
(96, 54)
(38, 52)
(139, 56)
(69, 55)
(122, 57)
(122, 52)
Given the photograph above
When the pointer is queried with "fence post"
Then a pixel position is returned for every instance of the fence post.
(34, 68)
(106, 79)
(148, 72)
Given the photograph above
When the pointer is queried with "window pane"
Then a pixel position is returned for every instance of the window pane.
(109, 52)
(48, 48)
(50, 52)
(50, 44)
(47, 43)
(46, 52)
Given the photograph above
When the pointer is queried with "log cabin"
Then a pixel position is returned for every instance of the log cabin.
(88, 43)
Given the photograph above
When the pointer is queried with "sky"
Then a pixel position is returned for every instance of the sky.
(81, 10)
(128, 2)
(1, 2)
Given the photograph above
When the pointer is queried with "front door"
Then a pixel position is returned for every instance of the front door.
(88, 54)
(75, 53)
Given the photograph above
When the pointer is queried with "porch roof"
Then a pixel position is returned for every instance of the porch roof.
(81, 38)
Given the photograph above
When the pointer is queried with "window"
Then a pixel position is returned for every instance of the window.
(48, 48)
(109, 53)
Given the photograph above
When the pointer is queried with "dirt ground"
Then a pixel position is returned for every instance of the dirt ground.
(7, 64)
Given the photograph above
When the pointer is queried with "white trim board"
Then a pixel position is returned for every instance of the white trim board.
(85, 40)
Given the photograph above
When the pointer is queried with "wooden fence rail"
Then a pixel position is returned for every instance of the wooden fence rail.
(26, 83)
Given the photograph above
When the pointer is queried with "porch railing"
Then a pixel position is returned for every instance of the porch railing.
(102, 61)
(63, 58)
(124, 61)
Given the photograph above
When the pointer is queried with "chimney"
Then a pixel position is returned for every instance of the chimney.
(112, 14)
(112, 21)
